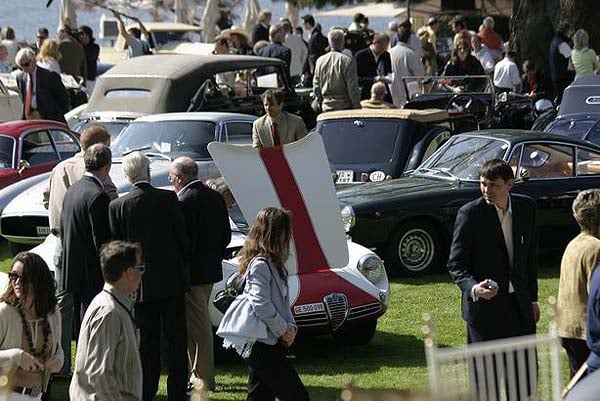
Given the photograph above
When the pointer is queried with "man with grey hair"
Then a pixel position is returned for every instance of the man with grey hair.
(209, 233)
(335, 82)
(153, 218)
(43, 93)
(276, 49)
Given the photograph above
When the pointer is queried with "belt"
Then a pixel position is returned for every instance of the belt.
(32, 391)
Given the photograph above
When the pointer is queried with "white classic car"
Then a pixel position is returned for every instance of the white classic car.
(336, 286)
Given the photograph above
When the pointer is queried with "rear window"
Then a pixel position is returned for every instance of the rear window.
(360, 141)
(127, 93)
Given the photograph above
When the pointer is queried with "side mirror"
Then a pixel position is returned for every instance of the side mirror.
(22, 166)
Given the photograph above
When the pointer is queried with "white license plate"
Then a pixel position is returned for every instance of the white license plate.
(344, 176)
(309, 308)
(42, 231)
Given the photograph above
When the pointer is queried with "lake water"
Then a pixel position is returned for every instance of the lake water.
(26, 16)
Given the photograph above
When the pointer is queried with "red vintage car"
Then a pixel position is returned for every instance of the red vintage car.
(33, 147)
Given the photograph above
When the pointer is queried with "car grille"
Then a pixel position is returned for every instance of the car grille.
(312, 319)
(359, 312)
(336, 306)
(24, 226)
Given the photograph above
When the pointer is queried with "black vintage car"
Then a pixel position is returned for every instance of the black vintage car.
(372, 145)
(409, 220)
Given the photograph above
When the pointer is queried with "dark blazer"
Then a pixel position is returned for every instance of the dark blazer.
(479, 252)
(209, 233)
(317, 45)
(153, 218)
(84, 228)
(366, 69)
(260, 33)
(51, 95)
(73, 60)
(277, 50)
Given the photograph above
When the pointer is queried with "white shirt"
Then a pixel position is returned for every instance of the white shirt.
(506, 222)
(564, 49)
(485, 58)
(299, 53)
(33, 89)
(506, 75)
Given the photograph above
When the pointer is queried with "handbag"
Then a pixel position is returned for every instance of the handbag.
(234, 287)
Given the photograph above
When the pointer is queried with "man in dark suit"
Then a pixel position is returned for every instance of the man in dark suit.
(261, 30)
(73, 60)
(373, 62)
(153, 218)
(209, 233)
(42, 91)
(276, 49)
(317, 44)
(84, 228)
(492, 260)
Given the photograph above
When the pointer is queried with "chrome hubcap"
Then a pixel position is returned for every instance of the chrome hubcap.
(416, 249)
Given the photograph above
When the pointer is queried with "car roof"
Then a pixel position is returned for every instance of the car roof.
(424, 116)
(517, 135)
(17, 126)
(196, 116)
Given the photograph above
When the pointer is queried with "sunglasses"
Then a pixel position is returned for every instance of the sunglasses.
(141, 268)
(14, 276)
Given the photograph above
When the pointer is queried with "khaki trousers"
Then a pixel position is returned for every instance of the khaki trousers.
(200, 336)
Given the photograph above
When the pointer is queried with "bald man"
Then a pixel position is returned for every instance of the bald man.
(376, 101)
(209, 234)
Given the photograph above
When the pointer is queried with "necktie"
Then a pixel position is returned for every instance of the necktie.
(28, 96)
(275, 135)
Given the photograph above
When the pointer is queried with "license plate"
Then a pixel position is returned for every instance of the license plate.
(309, 308)
(42, 231)
(344, 176)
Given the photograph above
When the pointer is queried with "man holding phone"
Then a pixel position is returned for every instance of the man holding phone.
(492, 259)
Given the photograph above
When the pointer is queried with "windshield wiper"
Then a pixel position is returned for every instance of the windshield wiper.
(436, 171)
(159, 155)
(135, 150)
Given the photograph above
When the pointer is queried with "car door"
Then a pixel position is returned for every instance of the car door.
(546, 173)
(37, 153)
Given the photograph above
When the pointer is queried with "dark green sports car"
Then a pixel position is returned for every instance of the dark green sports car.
(409, 220)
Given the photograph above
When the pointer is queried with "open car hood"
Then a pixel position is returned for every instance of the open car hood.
(296, 177)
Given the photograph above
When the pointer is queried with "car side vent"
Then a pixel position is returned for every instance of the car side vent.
(337, 309)
(358, 123)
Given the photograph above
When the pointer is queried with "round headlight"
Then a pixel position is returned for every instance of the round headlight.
(371, 266)
(348, 218)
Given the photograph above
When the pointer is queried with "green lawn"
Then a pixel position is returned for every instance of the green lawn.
(393, 360)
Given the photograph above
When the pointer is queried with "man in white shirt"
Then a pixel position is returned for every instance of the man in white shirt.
(299, 51)
(506, 74)
(405, 62)
(482, 53)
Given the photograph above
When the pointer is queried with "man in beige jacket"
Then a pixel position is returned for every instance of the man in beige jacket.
(277, 127)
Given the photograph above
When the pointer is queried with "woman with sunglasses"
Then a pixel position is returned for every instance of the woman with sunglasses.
(259, 324)
(462, 63)
(30, 328)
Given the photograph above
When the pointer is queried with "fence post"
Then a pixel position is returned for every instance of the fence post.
(429, 331)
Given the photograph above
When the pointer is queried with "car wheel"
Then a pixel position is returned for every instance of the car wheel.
(415, 249)
(356, 333)
(16, 248)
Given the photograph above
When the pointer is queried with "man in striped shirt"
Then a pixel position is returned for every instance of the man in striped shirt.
(107, 363)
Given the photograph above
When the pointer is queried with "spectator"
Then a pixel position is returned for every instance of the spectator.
(584, 60)
(392, 29)
(107, 365)
(49, 56)
(335, 82)
(136, 46)
(208, 230)
(41, 35)
(533, 83)
(429, 58)
(317, 44)
(463, 63)
(226, 78)
(276, 49)
(490, 38)
(92, 52)
(72, 61)
(28, 306)
(373, 63)
(9, 40)
(239, 40)
(413, 42)
(579, 260)
(261, 31)
(265, 303)
(298, 49)
(276, 127)
(160, 311)
(481, 53)
(433, 27)
(378, 92)
(506, 74)
(461, 34)
(358, 22)
(4, 65)
(560, 54)
(48, 98)
(405, 63)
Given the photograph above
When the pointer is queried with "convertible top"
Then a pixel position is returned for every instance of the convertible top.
(422, 116)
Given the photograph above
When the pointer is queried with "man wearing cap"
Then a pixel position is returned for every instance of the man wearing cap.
(276, 127)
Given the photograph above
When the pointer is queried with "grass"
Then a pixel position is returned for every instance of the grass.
(394, 359)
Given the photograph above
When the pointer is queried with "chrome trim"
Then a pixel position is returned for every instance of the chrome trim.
(336, 306)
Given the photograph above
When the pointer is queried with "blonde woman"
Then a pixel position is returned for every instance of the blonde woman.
(583, 59)
(49, 56)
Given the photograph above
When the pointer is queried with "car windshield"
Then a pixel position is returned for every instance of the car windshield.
(462, 157)
(419, 86)
(114, 128)
(574, 129)
(6, 151)
(360, 141)
(169, 138)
